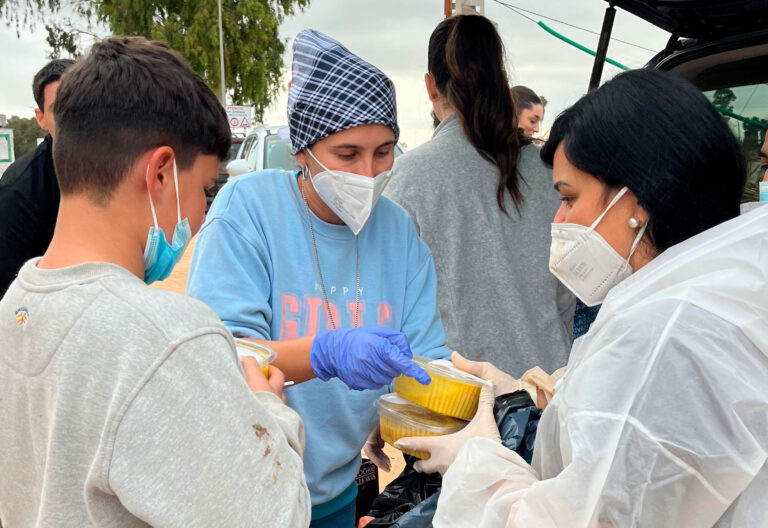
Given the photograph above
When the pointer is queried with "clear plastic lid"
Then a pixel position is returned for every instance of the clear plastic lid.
(262, 353)
(443, 367)
(415, 416)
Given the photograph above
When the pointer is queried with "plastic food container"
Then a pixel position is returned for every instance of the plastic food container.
(452, 392)
(399, 418)
(263, 354)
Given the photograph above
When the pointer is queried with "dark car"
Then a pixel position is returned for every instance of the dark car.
(722, 48)
(223, 175)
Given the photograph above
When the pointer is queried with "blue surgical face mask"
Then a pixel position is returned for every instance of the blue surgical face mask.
(159, 256)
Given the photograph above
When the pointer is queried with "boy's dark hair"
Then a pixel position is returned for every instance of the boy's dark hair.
(656, 134)
(524, 97)
(127, 96)
(50, 73)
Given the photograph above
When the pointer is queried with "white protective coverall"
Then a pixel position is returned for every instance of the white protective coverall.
(662, 416)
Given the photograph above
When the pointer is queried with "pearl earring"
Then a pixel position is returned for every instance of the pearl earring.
(634, 223)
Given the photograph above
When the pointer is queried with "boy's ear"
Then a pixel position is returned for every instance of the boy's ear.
(159, 170)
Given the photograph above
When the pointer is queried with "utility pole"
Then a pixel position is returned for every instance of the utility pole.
(221, 61)
(463, 7)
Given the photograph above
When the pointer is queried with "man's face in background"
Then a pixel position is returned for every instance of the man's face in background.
(45, 116)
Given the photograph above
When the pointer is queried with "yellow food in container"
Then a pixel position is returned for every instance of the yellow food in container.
(262, 353)
(399, 418)
(451, 392)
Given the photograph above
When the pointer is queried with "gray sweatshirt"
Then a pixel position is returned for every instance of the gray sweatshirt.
(497, 298)
(124, 406)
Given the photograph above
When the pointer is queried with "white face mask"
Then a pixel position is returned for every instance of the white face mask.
(585, 263)
(349, 195)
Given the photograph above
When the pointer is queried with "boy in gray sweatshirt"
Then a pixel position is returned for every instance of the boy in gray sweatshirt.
(123, 405)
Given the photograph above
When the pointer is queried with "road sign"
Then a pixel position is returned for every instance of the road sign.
(6, 149)
(239, 116)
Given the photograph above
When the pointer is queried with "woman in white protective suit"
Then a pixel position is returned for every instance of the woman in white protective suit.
(661, 418)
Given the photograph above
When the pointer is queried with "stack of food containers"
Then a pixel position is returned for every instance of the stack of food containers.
(441, 407)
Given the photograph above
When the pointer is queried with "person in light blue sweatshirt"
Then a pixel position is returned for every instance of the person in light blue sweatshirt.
(285, 257)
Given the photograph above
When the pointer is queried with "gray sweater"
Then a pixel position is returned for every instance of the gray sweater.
(497, 298)
(123, 406)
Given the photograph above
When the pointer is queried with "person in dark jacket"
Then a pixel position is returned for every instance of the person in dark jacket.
(29, 192)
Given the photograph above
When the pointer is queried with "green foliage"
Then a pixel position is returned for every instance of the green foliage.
(253, 50)
(25, 134)
(724, 99)
(752, 144)
(754, 135)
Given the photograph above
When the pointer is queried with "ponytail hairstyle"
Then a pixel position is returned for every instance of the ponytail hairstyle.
(466, 59)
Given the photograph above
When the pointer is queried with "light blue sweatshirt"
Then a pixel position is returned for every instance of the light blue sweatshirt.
(255, 266)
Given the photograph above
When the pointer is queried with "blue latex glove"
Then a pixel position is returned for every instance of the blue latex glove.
(364, 358)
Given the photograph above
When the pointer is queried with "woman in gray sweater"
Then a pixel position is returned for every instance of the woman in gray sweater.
(483, 202)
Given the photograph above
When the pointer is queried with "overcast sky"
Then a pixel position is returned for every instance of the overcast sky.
(393, 35)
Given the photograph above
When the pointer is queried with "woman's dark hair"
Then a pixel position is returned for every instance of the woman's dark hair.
(656, 134)
(524, 97)
(466, 59)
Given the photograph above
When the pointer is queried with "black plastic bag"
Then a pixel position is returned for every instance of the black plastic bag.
(421, 516)
(403, 494)
(518, 420)
(410, 501)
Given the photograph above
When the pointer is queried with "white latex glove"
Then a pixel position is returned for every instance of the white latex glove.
(503, 383)
(443, 449)
(373, 449)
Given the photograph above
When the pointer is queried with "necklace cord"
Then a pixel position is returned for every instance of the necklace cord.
(326, 305)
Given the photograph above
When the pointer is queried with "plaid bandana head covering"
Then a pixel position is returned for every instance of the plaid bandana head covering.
(332, 90)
